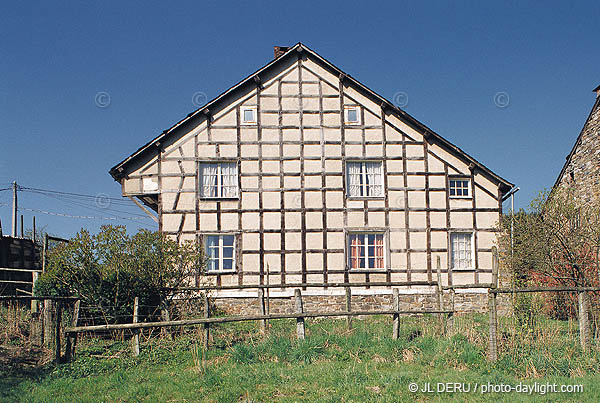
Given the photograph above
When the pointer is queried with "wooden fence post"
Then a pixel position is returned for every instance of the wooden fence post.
(136, 332)
(34, 303)
(206, 325)
(349, 307)
(44, 252)
(493, 342)
(47, 328)
(57, 331)
(584, 324)
(396, 316)
(440, 296)
(300, 330)
(72, 337)
(261, 306)
(451, 317)
(165, 317)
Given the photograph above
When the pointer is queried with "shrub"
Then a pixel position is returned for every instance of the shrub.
(109, 269)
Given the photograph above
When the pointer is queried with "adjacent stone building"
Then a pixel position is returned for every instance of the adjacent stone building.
(301, 174)
(581, 171)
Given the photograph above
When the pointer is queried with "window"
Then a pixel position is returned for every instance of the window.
(249, 115)
(352, 115)
(218, 180)
(365, 179)
(461, 250)
(149, 185)
(219, 251)
(460, 188)
(366, 251)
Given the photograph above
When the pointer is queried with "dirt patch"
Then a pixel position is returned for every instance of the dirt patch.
(20, 359)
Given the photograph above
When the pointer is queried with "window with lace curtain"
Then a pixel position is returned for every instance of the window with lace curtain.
(366, 251)
(461, 250)
(218, 180)
(364, 178)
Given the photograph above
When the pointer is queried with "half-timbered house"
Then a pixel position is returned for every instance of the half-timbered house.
(301, 174)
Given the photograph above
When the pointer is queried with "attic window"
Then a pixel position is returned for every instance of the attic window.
(460, 188)
(352, 115)
(249, 115)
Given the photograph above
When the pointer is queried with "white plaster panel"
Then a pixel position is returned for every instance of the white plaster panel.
(272, 220)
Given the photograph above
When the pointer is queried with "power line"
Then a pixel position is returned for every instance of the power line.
(115, 216)
(79, 216)
(79, 203)
(96, 197)
(101, 202)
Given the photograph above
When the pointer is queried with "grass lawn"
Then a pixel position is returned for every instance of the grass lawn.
(332, 364)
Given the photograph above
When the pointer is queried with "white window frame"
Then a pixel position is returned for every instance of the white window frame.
(243, 111)
(364, 185)
(221, 257)
(149, 185)
(349, 251)
(462, 179)
(219, 180)
(451, 257)
(347, 109)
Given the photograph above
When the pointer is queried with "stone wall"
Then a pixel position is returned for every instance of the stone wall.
(582, 170)
(463, 302)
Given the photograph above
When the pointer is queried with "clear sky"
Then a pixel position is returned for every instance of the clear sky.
(59, 60)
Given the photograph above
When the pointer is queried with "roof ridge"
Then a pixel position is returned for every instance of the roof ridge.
(300, 47)
(578, 140)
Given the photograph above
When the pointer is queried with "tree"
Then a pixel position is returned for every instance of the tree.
(109, 269)
(556, 243)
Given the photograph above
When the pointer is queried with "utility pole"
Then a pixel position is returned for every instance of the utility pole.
(15, 209)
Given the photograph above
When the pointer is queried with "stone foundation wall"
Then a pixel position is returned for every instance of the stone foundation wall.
(463, 303)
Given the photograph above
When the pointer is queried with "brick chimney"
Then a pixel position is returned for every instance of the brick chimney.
(279, 50)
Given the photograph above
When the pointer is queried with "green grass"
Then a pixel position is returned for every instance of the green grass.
(332, 364)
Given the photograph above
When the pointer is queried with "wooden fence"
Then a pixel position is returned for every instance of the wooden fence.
(300, 315)
(46, 318)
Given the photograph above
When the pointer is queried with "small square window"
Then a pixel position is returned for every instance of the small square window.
(249, 115)
(352, 115)
(460, 188)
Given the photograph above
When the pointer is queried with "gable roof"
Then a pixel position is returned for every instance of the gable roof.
(578, 141)
(299, 48)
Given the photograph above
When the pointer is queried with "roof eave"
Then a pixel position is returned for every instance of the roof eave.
(577, 141)
(116, 171)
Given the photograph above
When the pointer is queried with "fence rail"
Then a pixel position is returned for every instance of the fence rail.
(543, 289)
(228, 319)
(300, 315)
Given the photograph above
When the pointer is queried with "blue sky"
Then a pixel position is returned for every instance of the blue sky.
(449, 58)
